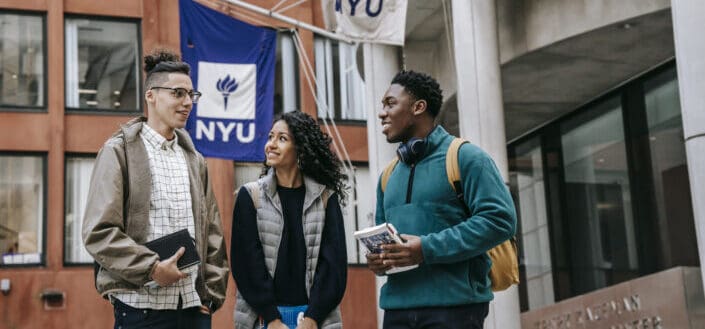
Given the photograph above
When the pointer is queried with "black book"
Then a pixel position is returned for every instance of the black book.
(167, 246)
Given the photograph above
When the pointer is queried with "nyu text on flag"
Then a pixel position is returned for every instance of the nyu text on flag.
(232, 65)
(377, 21)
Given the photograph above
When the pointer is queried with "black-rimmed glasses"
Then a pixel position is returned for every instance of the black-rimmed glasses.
(180, 93)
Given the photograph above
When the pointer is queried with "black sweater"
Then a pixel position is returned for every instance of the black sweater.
(288, 287)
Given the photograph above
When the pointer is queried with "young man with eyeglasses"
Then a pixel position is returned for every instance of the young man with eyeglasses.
(149, 181)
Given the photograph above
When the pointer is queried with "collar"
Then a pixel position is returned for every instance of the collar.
(434, 139)
(156, 140)
(131, 132)
(313, 188)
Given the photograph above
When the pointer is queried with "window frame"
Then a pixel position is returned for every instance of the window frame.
(330, 50)
(631, 97)
(282, 72)
(357, 214)
(138, 60)
(32, 108)
(63, 236)
(43, 258)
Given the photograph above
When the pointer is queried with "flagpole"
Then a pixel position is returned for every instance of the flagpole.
(289, 20)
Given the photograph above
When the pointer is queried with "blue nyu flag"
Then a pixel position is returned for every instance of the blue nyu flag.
(232, 64)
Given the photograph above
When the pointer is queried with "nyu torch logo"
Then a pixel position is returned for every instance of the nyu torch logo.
(226, 86)
(229, 91)
(227, 108)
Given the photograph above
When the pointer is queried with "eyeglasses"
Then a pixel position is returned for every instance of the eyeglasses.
(180, 93)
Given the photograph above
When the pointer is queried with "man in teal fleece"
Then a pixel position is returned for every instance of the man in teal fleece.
(447, 237)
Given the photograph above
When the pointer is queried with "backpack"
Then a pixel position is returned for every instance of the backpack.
(505, 266)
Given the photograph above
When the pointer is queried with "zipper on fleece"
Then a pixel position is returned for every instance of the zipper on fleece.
(411, 183)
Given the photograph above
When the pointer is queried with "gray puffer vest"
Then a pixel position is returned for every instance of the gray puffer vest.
(270, 224)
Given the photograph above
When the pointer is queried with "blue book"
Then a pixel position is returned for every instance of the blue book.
(291, 315)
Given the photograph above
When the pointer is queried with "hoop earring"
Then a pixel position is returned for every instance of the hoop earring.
(298, 163)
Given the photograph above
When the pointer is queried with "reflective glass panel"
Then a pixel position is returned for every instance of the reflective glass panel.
(599, 220)
(21, 60)
(101, 65)
(21, 209)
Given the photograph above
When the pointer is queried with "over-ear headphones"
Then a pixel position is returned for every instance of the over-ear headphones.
(412, 151)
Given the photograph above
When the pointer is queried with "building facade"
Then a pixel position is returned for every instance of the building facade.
(597, 127)
(71, 74)
(592, 110)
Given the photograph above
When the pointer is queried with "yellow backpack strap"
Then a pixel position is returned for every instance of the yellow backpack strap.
(387, 172)
(452, 166)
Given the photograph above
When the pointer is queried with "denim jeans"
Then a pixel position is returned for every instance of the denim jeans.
(127, 317)
(471, 316)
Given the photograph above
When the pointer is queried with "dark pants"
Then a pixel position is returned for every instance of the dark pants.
(470, 316)
(127, 317)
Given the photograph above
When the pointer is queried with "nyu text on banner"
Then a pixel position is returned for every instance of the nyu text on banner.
(232, 65)
(377, 21)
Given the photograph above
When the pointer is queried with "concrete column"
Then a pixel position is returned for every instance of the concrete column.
(690, 60)
(480, 111)
(381, 64)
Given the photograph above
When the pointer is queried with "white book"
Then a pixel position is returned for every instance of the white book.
(375, 236)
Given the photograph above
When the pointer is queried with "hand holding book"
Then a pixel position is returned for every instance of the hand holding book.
(405, 254)
(178, 257)
(394, 258)
(166, 272)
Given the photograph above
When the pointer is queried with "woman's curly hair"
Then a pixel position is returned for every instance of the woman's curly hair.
(315, 158)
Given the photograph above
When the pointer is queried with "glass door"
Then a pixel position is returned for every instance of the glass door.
(600, 225)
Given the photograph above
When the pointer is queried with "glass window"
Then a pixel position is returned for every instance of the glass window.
(601, 233)
(78, 176)
(21, 60)
(527, 183)
(670, 171)
(617, 208)
(286, 82)
(102, 67)
(21, 209)
(340, 88)
(358, 212)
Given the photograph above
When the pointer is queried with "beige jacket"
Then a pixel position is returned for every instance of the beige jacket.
(116, 220)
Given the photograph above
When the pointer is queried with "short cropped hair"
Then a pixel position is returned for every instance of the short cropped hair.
(421, 86)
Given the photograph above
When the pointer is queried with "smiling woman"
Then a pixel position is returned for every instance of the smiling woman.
(314, 157)
(299, 268)
(280, 150)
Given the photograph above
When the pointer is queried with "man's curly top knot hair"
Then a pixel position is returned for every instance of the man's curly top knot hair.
(162, 61)
(421, 86)
(316, 160)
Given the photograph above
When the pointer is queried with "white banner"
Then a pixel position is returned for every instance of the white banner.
(377, 21)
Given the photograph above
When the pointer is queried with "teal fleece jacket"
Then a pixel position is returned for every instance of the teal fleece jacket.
(455, 267)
